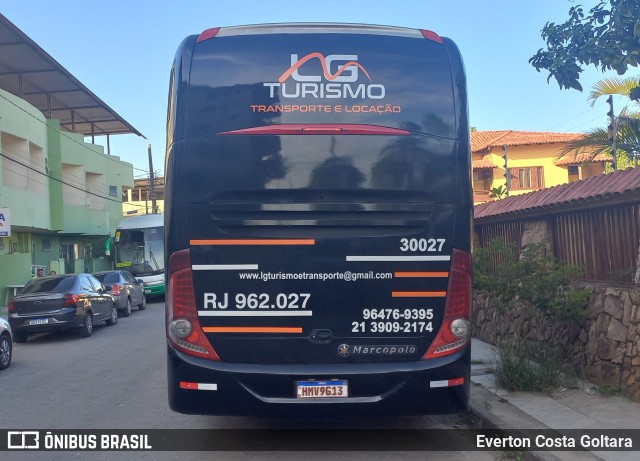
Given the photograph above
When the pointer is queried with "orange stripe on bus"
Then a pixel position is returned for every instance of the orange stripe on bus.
(252, 329)
(255, 242)
(422, 274)
(419, 294)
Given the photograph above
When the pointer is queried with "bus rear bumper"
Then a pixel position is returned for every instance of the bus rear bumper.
(439, 386)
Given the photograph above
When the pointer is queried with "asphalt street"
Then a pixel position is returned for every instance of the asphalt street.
(116, 379)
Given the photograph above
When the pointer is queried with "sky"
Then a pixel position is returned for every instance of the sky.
(122, 50)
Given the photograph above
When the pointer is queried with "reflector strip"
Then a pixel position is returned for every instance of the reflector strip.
(430, 35)
(421, 274)
(419, 294)
(447, 382)
(254, 242)
(398, 258)
(207, 34)
(224, 267)
(291, 330)
(198, 386)
(185, 385)
(255, 314)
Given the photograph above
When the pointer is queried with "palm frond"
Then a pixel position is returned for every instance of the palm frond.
(613, 85)
(628, 138)
(594, 142)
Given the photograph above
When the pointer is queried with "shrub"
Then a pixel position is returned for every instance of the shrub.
(526, 367)
(535, 280)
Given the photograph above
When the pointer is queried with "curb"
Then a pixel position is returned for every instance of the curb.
(495, 412)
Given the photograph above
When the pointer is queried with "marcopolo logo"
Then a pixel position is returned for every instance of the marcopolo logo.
(333, 76)
(345, 350)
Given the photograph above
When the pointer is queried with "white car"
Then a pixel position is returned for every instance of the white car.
(6, 344)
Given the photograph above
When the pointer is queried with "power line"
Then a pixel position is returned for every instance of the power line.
(45, 184)
(577, 116)
(43, 161)
(29, 167)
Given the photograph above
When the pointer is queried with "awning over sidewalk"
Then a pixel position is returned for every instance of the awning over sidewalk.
(30, 73)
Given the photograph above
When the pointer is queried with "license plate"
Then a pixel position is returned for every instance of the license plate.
(322, 389)
(146, 292)
(38, 321)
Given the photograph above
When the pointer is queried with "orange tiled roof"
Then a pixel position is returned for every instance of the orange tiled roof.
(581, 158)
(599, 189)
(484, 163)
(481, 140)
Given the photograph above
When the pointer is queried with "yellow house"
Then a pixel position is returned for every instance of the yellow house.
(532, 161)
(137, 201)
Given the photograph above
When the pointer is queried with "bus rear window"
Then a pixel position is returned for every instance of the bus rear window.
(238, 82)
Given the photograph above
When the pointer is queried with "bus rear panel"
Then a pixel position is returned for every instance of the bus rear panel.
(318, 213)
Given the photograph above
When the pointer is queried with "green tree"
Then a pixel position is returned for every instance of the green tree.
(498, 192)
(607, 37)
(626, 125)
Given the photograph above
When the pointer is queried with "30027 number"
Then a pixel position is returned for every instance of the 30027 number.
(421, 245)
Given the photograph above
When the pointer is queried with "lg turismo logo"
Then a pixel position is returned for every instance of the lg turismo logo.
(339, 71)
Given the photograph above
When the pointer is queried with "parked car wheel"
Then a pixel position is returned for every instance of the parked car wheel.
(6, 349)
(114, 316)
(87, 326)
(20, 336)
(126, 312)
(143, 305)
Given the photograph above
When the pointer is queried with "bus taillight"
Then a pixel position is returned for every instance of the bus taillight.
(183, 327)
(455, 330)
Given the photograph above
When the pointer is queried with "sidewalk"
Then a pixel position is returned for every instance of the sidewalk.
(567, 409)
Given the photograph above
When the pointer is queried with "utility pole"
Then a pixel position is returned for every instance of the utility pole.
(612, 133)
(152, 183)
(507, 173)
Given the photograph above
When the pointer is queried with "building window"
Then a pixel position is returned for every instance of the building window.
(69, 251)
(574, 170)
(46, 245)
(482, 175)
(527, 178)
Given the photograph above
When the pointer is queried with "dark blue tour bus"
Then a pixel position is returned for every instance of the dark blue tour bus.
(318, 222)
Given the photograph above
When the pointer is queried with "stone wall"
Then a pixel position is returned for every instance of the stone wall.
(604, 346)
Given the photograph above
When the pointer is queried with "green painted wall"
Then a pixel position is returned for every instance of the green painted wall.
(56, 211)
(43, 216)
(23, 132)
(83, 218)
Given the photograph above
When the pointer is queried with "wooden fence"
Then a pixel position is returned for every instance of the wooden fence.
(602, 241)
